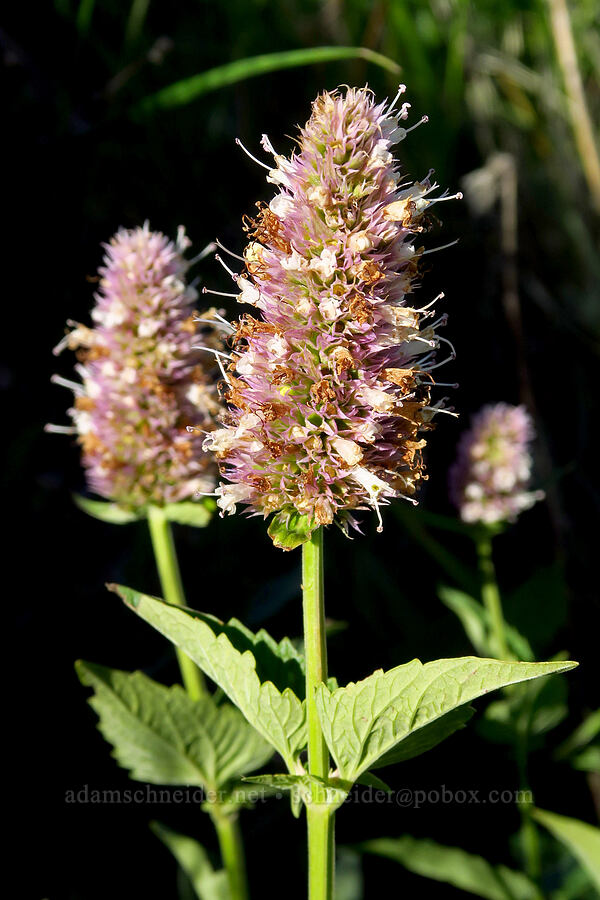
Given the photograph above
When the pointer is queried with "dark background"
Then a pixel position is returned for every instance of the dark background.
(79, 166)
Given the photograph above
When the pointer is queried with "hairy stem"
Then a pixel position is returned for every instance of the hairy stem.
(170, 579)
(319, 815)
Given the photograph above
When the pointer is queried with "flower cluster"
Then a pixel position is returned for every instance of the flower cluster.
(329, 384)
(144, 384)
(490, 479)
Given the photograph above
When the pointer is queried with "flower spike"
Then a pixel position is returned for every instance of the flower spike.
(144, 382)
(328, 395)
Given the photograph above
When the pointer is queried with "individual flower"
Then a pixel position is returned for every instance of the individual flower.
(147, 392)
(489, 482)
(329, 385)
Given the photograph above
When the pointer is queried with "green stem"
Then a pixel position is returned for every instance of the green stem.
(319, 815)
(170, 579)
(491, 595)
(232, 853)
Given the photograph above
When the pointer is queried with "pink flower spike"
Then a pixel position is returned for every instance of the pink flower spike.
(147, 397)
(329, 385)
(489, 482)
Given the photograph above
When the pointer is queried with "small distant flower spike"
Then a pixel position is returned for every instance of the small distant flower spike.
(329, 385)
(489, 482)
(147, 395)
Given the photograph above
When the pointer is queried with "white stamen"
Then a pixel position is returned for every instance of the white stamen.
(231, 253)
(450, 344)
(443, 247)
(60, 429)
(221, 323)
(401, 90)
(440, 296)
(422, 121)
(71, 385)
(226, 267)
(210, 248)
(212, 350)
(253, 158)
(206, 290)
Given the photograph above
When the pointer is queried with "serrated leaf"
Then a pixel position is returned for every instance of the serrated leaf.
(581, 839)
(105, 511)
(366, 720)
(162, 736)
(454, 866)
(288, 531)
(278, 715)
(188, 512)
(208, 884)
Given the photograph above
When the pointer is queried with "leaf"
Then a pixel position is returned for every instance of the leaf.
(582, 735)
(106, 512)
(288, 531)
(475, 620)
(452, 865)
(189, 512)
(370, 780)
(427, 737)
(348, 875)
(162, 736)
(364, 721)
(280, 716)
(470, 613)
(188, 89)
(193, 859)
(588, 760)
(581, 839)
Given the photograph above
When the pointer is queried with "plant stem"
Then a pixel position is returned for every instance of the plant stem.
(170, 579)
(232, 853)
(319, 815)
(490, 593)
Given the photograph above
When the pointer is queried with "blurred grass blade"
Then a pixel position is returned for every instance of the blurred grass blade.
(135, 21)
(189, 89)
(83, 20)
(581, 839)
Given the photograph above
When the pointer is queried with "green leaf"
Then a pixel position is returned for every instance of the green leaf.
(588, 760)
(162, 736)
(288, 531)
(475, 620)
(208, 884)
(189, 512)
(452, 865)
(279, 715)
(348, 875)
(370, 780)
(582, 735)
(106, 512)
(470, 613)
(364, 721)
(581, 839)
(427, 737)
(185, 91)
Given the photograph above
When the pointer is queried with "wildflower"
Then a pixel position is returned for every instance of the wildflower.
(329, 383)
(490, 479)
(145, 386)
